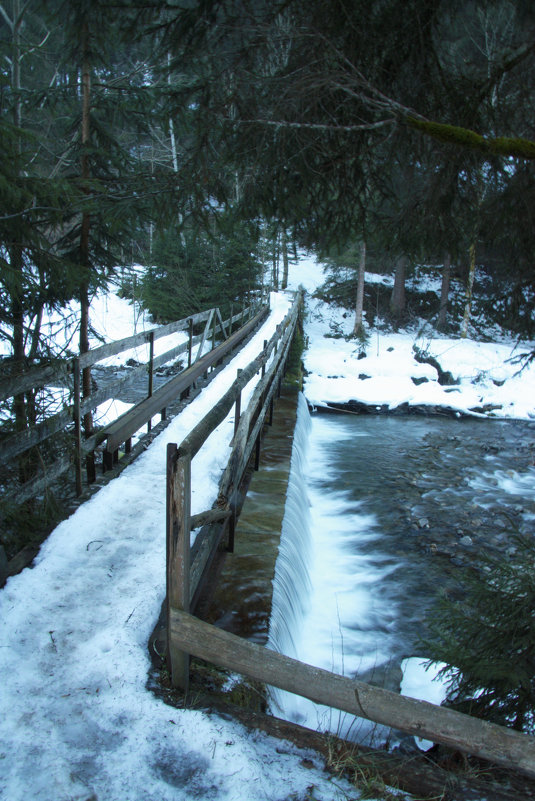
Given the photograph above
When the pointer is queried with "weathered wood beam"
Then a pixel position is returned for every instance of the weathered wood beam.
(57, 374)
(178, 514)
(132, 420)
(24, 440)
(419, 718)
(112, 348)
(40, 482)
(208, 517)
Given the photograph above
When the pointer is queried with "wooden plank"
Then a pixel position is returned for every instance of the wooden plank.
(197, 436)
(204, 335)
(243, 444)
(117, 387)
(244, 438)
(209, 517)
(38, 484)
(181, 325)
(208, 541)
(135, 418)
(419, 718)
(59, 374)
(53, 374)
(18, 443)
(112, 348)
(221, 327)
(178, 553)
(203, 552)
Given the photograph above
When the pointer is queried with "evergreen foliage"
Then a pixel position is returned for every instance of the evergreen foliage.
(487, 640)
(194, 270)
(410, 128)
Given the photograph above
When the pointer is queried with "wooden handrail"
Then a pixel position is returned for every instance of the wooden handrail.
(419, 718)
(180, 577)
(59, 372)
(62, 373)
(131, 421)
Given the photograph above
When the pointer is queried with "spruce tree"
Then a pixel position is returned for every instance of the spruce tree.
(487, 640)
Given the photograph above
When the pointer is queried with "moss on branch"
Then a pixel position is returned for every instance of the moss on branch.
(464, 137)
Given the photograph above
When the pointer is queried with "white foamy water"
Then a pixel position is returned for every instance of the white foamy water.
(508, 482)
(328, 608)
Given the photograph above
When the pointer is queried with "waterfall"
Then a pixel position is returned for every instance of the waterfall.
(322, 611)
(291, 584)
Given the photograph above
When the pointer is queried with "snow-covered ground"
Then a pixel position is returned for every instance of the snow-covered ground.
(77, 720)
(489, 375)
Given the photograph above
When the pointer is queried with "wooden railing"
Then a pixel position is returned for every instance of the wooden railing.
(187, 566)
(66, 373)
(497, 744)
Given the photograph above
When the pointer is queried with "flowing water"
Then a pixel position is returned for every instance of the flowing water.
(382, 514)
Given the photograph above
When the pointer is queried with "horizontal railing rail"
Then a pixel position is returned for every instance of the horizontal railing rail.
(498, 744)
(130, 422)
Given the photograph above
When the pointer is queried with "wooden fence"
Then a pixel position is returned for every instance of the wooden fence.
(187, 566)
(67, 373)
(187, 636)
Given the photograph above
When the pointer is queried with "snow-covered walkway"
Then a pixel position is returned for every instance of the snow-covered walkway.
(76, 719)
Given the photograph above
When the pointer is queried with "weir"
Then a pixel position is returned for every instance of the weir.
(359, 549)
(291, 586)
(241, 599)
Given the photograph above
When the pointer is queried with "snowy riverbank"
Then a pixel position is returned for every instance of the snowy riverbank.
(489, 380)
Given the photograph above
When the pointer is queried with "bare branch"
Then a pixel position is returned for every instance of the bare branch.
(366, 126)
(8, 19)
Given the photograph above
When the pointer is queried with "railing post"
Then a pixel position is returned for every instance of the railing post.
(264, 365)
(237, 412)
(190, 340)
(77, 426)
(257, 453)
(151, 372)
(178, 518)
(231, 528)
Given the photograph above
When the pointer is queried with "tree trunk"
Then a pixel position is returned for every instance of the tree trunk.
(284, 247)
(358, 328)
(85, 229)
(397, 302)
(444, 293)
(15, 249)
(275, 274)
(469, 291)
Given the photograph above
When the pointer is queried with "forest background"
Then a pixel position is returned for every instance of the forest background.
(207, 139)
